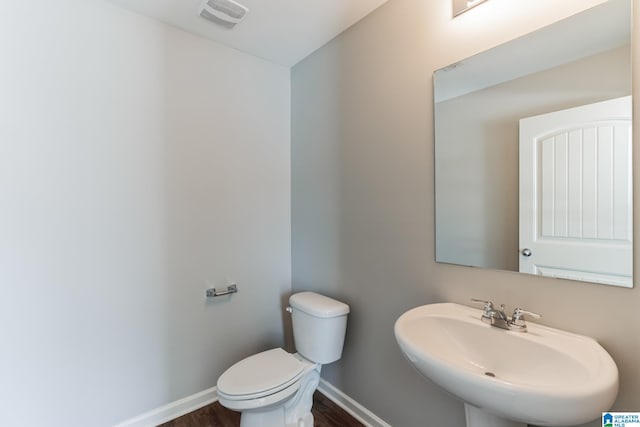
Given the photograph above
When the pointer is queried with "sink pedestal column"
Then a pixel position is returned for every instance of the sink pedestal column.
(476, 417)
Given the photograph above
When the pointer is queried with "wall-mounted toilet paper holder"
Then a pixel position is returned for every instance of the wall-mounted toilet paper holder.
(231, 289)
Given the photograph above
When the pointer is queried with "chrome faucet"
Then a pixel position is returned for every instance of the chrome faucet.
(498, 318)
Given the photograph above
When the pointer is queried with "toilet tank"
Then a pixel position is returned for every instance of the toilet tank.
(319, 325)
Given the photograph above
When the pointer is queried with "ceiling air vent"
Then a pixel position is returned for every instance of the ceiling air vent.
(227, 13)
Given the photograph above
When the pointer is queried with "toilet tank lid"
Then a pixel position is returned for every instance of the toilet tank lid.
(318, 305)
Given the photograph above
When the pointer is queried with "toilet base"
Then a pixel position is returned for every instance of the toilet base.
(298, 409)
(268, 418)
(295, 412)
(274, 418)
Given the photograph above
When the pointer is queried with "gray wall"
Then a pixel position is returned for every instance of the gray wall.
(477, 153)
(363, 202)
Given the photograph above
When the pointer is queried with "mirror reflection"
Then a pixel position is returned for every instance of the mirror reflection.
(461, 6)
(533, 152)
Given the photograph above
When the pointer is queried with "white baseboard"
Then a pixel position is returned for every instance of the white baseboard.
(196, 401)
(356, 410)
(172, 410)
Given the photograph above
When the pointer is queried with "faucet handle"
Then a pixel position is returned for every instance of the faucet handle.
(519, 312)
(488, 306)
(517, 320)
(481, 301)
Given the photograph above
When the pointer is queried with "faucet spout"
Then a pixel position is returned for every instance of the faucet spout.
(501, 314)
(497, 317)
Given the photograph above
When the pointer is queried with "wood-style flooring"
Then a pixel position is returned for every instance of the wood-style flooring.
(325, 414)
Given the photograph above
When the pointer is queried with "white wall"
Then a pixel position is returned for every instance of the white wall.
(138, 166)
(363, 202)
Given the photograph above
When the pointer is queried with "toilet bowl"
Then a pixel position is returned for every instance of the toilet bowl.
(271, 389)
(275, 388)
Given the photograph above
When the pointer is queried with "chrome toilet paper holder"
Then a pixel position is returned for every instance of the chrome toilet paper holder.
(231, 289)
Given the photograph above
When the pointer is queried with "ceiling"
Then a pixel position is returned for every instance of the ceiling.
(280, 31)
(595, 30)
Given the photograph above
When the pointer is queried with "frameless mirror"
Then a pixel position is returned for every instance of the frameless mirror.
(533, 152)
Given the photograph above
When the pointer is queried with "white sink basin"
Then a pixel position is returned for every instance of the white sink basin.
(545, 376)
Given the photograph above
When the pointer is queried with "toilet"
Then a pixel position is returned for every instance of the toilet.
(275, 388)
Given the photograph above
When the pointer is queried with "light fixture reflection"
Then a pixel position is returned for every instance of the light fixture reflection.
(461, 6)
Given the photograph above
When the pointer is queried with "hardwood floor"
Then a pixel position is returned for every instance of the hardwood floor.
(325, 414)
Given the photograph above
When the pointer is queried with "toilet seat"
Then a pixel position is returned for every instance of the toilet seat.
(260, 375)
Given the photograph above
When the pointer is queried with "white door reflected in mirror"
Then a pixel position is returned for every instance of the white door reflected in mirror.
(576, 193)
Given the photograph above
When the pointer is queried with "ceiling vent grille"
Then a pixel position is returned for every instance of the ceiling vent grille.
(226, 13)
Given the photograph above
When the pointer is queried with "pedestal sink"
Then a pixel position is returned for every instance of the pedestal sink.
(545, 376)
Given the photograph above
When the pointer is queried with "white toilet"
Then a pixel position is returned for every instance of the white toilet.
(275, 388)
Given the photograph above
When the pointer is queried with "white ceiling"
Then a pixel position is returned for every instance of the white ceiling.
(281, 31)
